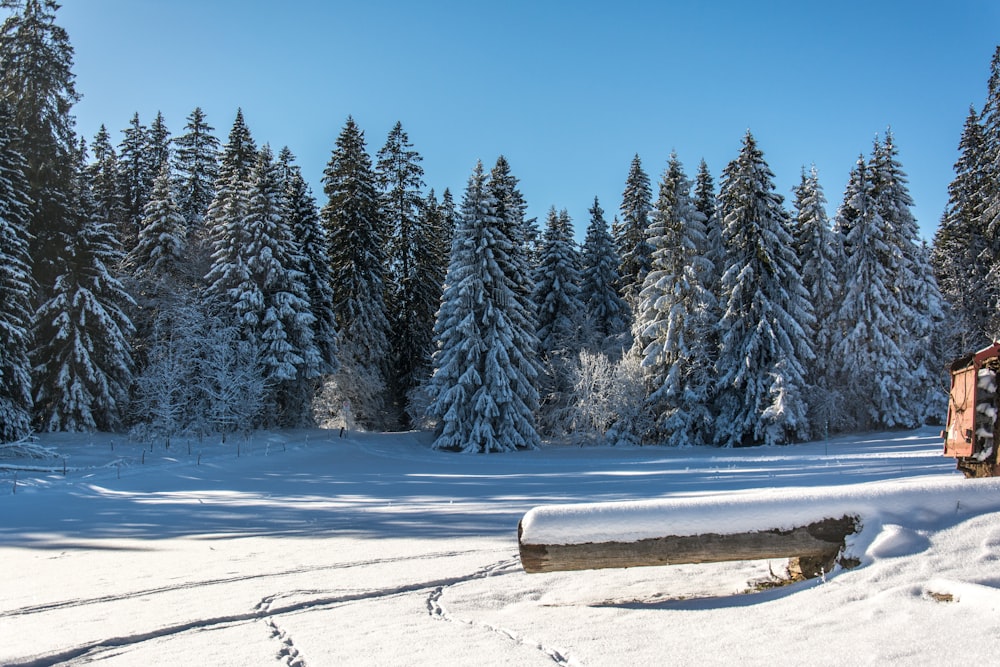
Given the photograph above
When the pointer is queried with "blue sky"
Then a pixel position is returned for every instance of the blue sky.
(568, 91)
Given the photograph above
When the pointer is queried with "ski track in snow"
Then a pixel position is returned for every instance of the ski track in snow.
(437, 610)
(104, 599)
(269, 608)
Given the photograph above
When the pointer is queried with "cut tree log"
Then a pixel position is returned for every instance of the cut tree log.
(813, 549)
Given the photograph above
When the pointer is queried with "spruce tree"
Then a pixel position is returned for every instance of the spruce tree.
(103, 174)
(82, 359)
(920, 304)
(410, 296)
(254, 275)
(159, 250)
(482, 389)
(961, 256)
(763, 344)
(357, 239)
(135, 179)
(196, 164)
(632, 241)
(706, 203)
(820, 252)
(159, 150)
(607, 313)
(871, 363)
(16, 287)
(671, 328)
(304, 224)
(560, 317)
(36, 79)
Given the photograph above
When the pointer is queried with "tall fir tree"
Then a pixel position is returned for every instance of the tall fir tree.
(482, 390)
(254, 275)
(135, 179)
(560, 318)
(400, 179)
(357, 238)
(304, 223)
(159, 250)
(159, 150)
(606, 311)
(672, 320)
(989, 193)
(103, 174)
(706, 203)
(871, 363)
(961, 256)
(16, 287)
(196, 165)
(232, 182)
(763, 343)
(821, 254)
(631, 240)
(82, 360)
(920, 303)
(36, 79)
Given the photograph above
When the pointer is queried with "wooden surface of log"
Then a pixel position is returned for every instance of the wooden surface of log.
(822, 539)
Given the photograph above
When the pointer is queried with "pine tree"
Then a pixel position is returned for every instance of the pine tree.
(82, 360)
(989, 193)
(159, 250)
(16, 288)
(482, 391)
(159, 151)
(763, 344)
(510, 208)
(103, 175)
(196, 163)
(871, 363)
(357, 239)
(820, 252)
(410, 296)
(607, 312)
(672, 318)
(632, 242)
(305, 227)
(135, 180)
(920, 304)
(961, 256)
(560, 318)
(705, 202)
(254, 275)
(36, 79)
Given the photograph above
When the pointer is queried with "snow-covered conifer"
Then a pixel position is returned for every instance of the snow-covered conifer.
(560, 317)
(820, 254)
(671, 327)
(357, 238)
(36, 80)
(16, 289)
(135, 180)
(196, 164)
(159, 151)
(961, 256)
(482, 391)
(631, 241)
(159, 250)
(82, 359)
(762, 344)
(304, 223)
(871, 363)
(606, 312)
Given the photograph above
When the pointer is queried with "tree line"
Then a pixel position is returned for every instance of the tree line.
(179, 286)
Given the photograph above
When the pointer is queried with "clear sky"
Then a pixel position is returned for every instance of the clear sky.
(568, 90)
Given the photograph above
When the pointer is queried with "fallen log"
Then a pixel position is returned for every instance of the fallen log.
(812, 548)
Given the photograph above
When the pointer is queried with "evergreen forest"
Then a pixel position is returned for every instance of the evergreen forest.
(185, 284)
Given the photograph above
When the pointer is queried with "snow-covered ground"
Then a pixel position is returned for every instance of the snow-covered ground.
(303, 548)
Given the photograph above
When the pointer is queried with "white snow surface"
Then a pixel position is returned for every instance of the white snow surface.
(300, 548)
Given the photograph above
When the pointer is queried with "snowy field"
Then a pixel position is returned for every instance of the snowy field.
(300, 548)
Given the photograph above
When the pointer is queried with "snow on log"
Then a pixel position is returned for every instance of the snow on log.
(811, 525)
